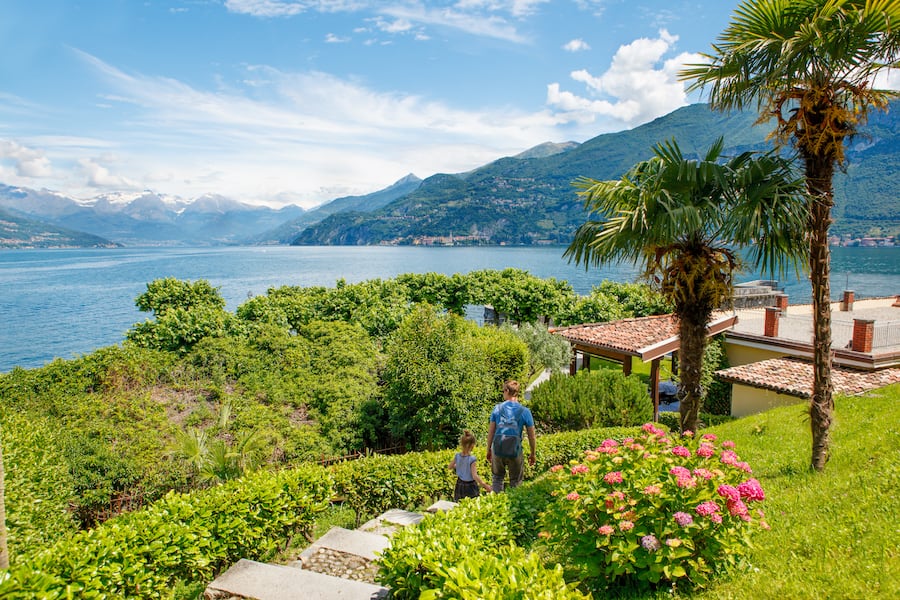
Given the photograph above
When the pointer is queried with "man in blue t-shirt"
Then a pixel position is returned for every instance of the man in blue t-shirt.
(504, 439)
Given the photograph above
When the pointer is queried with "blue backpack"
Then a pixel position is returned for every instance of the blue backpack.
(507, 442)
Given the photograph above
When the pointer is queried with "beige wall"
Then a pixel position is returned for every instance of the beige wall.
(744, 355)
(746, 400)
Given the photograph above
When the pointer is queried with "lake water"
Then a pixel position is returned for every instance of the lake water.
(62, 303)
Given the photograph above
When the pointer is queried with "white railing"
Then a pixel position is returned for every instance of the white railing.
(886, 334)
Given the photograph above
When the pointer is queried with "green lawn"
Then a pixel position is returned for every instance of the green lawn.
(834, 534)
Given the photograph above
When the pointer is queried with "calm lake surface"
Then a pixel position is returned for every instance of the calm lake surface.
(63, 303)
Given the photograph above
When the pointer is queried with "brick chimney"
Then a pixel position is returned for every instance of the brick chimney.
(781, 302)
(863, 332)
(770, 328)
(847, 301)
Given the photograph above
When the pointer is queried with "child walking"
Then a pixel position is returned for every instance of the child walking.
(467, 479)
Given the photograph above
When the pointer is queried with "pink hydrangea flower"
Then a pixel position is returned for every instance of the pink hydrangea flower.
(556, 468)
(704, 474)
(572, 496)
(673, 542)
(606, 530)
(715, 518)
(681, 451)
(609, 443)
(728, 444)
(743, 467)
(652, 429)
(628, 440)
(686, 482)
(752, 491)
(707, 508)
(729, 492)
(650, 543)
(729, 457)
(578, 469)
(710, 436)
(688, 433)
(737, 508)
(652, 490)
(626, 525)
(683, 519)
(613, 477)
(680, 472)
(706, 450)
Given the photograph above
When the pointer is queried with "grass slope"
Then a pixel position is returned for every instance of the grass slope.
(834, 534)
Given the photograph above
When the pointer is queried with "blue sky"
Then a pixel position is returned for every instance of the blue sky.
(301, 101)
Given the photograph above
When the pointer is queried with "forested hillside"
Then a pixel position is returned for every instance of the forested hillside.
(531, 200)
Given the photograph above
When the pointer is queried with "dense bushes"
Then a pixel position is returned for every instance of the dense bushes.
(468, 553)
(603, 398)
(182, 537)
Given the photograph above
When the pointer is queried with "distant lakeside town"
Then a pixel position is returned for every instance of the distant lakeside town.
(867, 242)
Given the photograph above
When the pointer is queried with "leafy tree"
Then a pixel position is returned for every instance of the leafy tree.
(448, 292)
(813, 65)
(169, 293)
(545, 350)
(683, 220)
(437, 380)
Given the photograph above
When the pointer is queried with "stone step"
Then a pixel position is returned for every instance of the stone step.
(262, 581)
(349, 541)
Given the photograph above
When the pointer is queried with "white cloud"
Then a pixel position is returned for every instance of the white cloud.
(283, 134)
(474, 23)
(331, 38)
(265, 8)
(637, 87)
(888, 79)
(98, 176)
(26, 162)
(576, 45)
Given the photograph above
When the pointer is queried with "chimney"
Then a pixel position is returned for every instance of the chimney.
(863, 332)
(847, 301)
(781, 302)
(770, 328)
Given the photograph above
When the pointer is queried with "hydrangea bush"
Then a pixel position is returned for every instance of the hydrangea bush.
(652, 509)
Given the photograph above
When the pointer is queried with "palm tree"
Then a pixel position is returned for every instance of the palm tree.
(812, 65)
(683, 222)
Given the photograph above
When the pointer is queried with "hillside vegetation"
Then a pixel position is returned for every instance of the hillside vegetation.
(531, 200)
(197, 395)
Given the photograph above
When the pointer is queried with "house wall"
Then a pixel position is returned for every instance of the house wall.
(746, 400)
(744, 355)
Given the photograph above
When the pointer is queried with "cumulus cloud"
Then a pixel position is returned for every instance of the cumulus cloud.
(26, 162)
(637, 87)
(576, 45)
(98, 176)
(331, 38)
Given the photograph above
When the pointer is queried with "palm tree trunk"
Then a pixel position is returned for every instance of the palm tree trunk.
(692, 334)
(819, 173)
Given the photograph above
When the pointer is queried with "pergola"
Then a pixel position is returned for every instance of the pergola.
(648, 338)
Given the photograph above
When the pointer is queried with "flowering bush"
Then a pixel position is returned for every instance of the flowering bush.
(651, 509)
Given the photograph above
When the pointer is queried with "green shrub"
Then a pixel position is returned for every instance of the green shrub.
(468, 553)
(376, 483)
(603, 398)
(38, 485)
(651, 510)
(183, 537)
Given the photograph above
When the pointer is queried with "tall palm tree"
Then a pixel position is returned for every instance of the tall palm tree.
(683, 221)
(812, 65)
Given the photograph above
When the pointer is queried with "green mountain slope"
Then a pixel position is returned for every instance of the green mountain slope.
(531, 200)
(21, 232)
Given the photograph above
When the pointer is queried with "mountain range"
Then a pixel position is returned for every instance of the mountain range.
(523, 199)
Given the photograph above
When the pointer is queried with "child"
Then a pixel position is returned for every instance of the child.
(467, 479)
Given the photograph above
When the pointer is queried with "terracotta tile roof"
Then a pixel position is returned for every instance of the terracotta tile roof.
(625, 335)
(640, 336)
(794, 377)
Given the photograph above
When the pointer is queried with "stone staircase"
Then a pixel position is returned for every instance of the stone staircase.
(338, 565)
